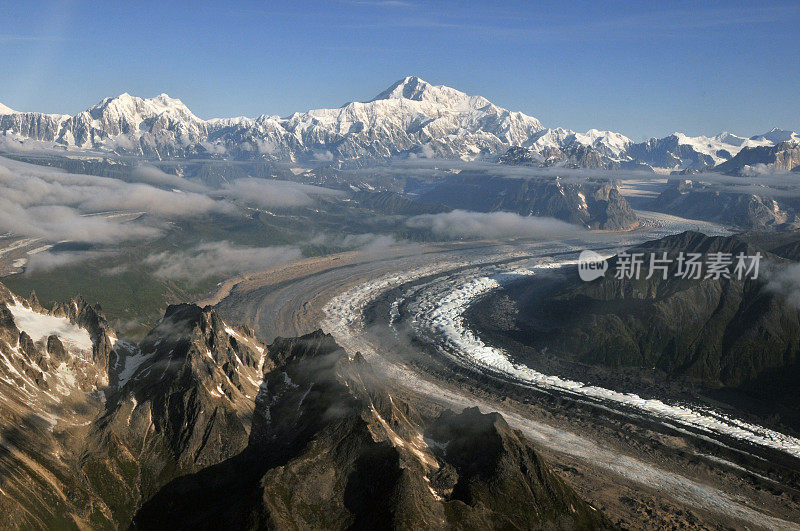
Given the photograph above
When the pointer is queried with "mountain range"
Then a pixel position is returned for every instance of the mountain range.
(411, 118)
(199, 424)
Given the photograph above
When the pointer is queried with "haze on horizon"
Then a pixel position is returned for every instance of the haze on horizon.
(694, 68)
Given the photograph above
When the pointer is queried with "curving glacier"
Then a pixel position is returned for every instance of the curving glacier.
(441, 310)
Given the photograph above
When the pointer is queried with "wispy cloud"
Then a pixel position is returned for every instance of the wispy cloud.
(10, 38)
(218, 259)
(49, 203)
(462, 223)
(47, 261)
(365, 241)
(784, 280)
(272, 193)
(653, 24)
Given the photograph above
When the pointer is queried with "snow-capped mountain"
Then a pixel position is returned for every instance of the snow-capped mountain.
(775, 136)
(563, 147)
(160, 126)
(781, 157)
(679, 151)
(411, 118)
(607, 143)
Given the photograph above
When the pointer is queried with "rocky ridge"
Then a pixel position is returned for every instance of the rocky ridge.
(201, 423)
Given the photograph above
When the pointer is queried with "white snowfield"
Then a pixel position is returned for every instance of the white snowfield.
(63, 377)
(725, 141)
(40, 326)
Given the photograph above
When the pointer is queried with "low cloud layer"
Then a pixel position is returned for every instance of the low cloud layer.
(219, 259)
(464, 224)
(365, 241)
(153, 175)
(265, 193)
(57, 223)
(784, 280)
(47, 261)
(55, 205)
(43, 202)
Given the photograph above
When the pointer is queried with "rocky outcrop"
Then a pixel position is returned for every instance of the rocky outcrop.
(330, 448)
(201, 425)
(697, 200)
(571, 156)
(53, 381)
(595, 205)
(185, 401)
(754, 161)
(109, 422)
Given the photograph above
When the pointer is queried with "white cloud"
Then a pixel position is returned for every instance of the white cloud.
(267, 193)
(56, 223)
(153, 175)
(47, 261)
(219, 259)
(323, 156)
(365, 241)
(53, 204)
(785, 280)
(462, 223)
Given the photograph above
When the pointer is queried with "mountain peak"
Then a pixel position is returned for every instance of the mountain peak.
(776, 135)
(410, 88)
(6, 110)
(417, 89)
(136, 108)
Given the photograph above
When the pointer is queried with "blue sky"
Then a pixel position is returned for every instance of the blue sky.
(644, 71)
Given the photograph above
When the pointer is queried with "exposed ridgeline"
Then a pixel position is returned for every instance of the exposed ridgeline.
(613, 151)
(331, 449)
(54, 370)
(782, 157)
(595, 205)
(200, 423)
(737, 335)
(573, 154)
(184, 401)
(91, 425)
